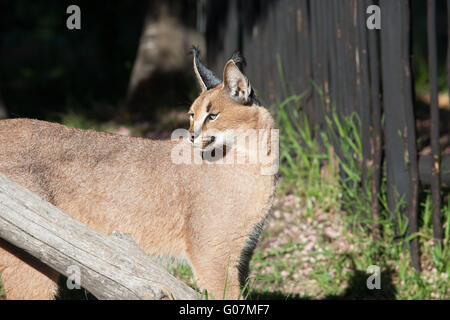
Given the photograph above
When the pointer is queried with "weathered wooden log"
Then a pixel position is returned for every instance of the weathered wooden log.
(425, 166)
(111, 267)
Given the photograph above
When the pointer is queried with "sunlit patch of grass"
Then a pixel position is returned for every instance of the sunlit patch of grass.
(183, 272)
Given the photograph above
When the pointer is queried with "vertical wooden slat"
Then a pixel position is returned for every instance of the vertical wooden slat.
(266, 53)
(343, 74)
(348, 36)
(434, 134)
(252, 46)
(326, 59)
(319, 61)
(375, 128)
(314, 60)
(332, 56)
(402, 174)
(448, 45)
(335, 57)
(286, 18)
(280, 35)
(286, 12)
(275, 36)
(253, 49)
(294, 63)
(408, 91)
(302, 74)
(232, 33)
(222, 23)
(339, 102)
(323, 82)
(343, 106)
(363, 89)
(270, 51)
(261, 47)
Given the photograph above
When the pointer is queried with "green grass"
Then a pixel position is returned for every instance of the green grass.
(2, 291)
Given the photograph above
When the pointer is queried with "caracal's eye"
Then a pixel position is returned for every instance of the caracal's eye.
(213, 117)
(191, 116)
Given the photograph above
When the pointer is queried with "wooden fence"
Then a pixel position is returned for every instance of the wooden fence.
(324, 46)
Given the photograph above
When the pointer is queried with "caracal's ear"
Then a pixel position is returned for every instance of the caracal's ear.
(236, 84)
(205, 77)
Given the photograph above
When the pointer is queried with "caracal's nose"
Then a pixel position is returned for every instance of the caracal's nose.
(194, 135)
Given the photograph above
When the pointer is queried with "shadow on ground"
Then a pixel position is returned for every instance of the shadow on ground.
(356, 290)
(64, 293)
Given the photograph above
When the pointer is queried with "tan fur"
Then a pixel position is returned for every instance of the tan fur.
(208, 213)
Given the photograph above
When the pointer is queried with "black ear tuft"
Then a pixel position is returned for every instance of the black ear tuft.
(206, 78)
(239, 60)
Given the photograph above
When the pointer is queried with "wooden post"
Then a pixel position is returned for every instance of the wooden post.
(448, 45)
(434, 134)
(401, 153)
(111, 267)
(375, 128)
(363, 93)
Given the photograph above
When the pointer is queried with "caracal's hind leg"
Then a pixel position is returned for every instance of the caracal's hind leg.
(30, 280)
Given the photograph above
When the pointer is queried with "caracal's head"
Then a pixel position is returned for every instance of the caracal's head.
(223, 107)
